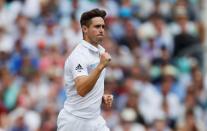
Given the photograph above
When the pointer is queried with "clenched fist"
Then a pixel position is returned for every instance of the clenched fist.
(107, 100)
(105, 58)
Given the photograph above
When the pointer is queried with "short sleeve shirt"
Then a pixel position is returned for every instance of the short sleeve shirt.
(82, 61)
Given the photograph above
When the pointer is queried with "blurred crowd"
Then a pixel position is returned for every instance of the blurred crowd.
(156, 74)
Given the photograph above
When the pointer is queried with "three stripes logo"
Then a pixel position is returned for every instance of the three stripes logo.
(79, 68)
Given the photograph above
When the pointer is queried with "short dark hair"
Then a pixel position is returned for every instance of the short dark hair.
(88, 15)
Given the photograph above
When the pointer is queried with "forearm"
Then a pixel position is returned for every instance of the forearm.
(85, 84)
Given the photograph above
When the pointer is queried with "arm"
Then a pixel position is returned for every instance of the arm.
(85, 84)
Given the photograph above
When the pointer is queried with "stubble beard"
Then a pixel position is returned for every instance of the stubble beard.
(100, 40)
(97, 40)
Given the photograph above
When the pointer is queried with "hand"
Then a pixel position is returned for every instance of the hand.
(105, 59)
(107, 100)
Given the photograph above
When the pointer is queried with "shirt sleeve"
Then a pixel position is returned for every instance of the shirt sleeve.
(78, 67)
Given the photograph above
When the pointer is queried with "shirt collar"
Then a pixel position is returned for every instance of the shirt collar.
(86, 44)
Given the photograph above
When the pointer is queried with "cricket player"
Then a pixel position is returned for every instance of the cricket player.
(84, 74)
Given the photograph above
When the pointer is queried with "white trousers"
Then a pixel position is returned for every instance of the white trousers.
(69, 122)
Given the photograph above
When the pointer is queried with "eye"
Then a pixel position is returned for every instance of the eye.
(97, 26)
(100, 26)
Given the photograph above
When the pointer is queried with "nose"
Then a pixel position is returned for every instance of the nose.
(101, 30)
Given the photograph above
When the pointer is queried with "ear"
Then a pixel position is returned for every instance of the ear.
(85, 29)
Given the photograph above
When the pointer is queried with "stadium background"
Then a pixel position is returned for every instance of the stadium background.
(157, 74)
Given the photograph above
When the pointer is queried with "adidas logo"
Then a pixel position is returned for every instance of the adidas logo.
(79, 67)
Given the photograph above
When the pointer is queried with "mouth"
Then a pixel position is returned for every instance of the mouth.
(100, 35)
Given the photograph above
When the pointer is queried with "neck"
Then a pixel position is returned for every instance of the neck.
(91, 42)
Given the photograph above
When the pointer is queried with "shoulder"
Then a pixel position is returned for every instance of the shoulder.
(77, 51)
(79, 54)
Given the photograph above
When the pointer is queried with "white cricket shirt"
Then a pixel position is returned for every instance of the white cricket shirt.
(83, 59)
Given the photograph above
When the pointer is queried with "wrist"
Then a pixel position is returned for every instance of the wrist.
(100, 66)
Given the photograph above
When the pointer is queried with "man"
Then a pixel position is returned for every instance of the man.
(84, 78)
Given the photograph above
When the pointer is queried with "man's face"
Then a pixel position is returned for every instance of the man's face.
(95, 31)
